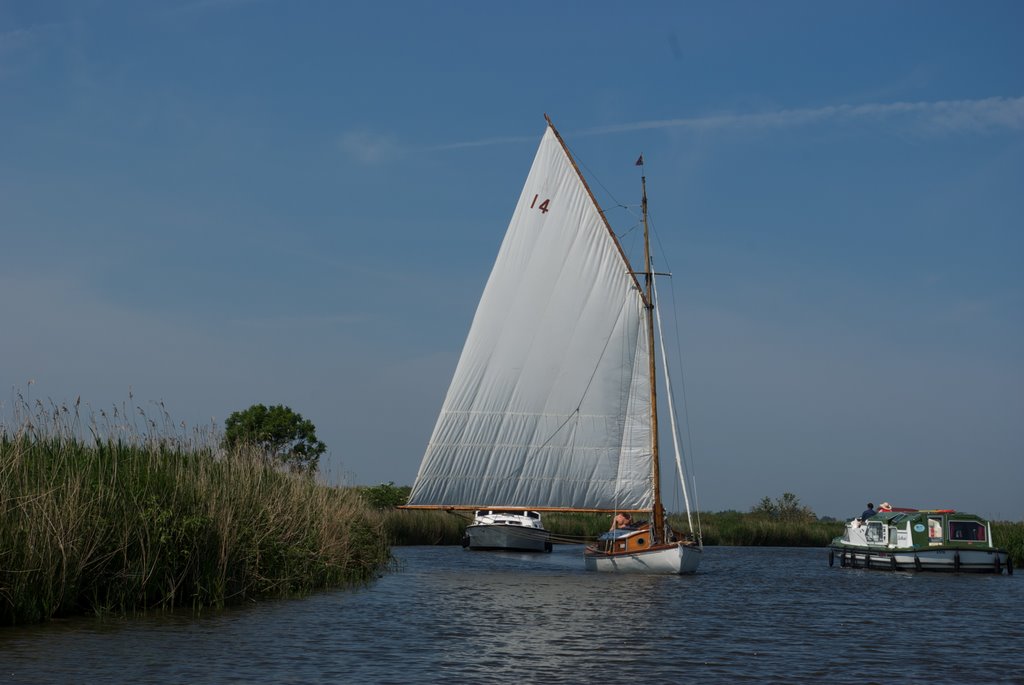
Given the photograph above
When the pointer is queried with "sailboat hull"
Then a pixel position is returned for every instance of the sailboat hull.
(676, 558)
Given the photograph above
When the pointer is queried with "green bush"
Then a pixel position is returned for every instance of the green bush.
(385, 495)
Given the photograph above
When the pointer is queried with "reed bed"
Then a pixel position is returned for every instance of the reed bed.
(576, 527)
(424, 527)
(437, 527)
(738, 529)
(131, 522)
(1009, 535)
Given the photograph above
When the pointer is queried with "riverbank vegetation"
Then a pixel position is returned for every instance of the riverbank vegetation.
(731, 528)
(101, 517)
(424, 527)
(1010, 536)
(782, 522)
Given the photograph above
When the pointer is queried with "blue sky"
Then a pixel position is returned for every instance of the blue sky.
(215, 203)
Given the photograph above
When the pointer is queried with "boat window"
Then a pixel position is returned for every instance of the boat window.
(934, 529)
(966, 530)
(533, 514)
(875, 532)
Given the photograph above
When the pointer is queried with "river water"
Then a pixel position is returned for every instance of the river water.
(447, 615)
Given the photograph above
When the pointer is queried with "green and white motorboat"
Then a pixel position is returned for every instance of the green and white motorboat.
(920, 540)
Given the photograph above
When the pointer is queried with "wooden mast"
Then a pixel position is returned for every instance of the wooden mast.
(658, 510)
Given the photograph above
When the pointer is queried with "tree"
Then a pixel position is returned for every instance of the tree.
(765, 508)
(386, 495)
(786, 508)
(280, 433)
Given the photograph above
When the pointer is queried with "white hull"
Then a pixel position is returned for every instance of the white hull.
(955, 560)
(678, 559)
(503, 537)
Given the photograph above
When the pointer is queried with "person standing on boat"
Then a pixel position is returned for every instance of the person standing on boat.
(869, 512)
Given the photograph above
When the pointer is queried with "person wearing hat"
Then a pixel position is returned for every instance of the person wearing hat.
(884, 506)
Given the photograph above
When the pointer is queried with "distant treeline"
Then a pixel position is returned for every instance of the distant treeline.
(717, 528)
(782, 522)
(724, 528)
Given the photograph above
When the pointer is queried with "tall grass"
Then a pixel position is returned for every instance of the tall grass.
(418, 527)
(1010, 536)
(721, 528)
(434, 527)
(424, 527)
(127, 522)
(735, 528)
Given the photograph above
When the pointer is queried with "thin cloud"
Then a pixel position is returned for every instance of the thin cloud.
(14, 40)
(21, 46)
(370, 148)
(482, 143)
(944, 116)
(941, 116)
(203, 6)
(284, 323)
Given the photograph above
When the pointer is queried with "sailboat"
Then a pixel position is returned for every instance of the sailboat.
(553, 404)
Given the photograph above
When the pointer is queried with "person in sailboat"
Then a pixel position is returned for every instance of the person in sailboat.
(622, 520)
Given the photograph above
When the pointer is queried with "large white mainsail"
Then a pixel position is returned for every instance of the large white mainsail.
(549, 407)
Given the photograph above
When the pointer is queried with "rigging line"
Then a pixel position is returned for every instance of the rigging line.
(459, 514)
(616, 204)
(590, 381)
(593, 374)
(661, 247)
(595, 177)
(688, 457)
(629, 230)
(671, 407)
(572, 539)
(690, 452)
(604, 349)
(575, 412)
(626, 378)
